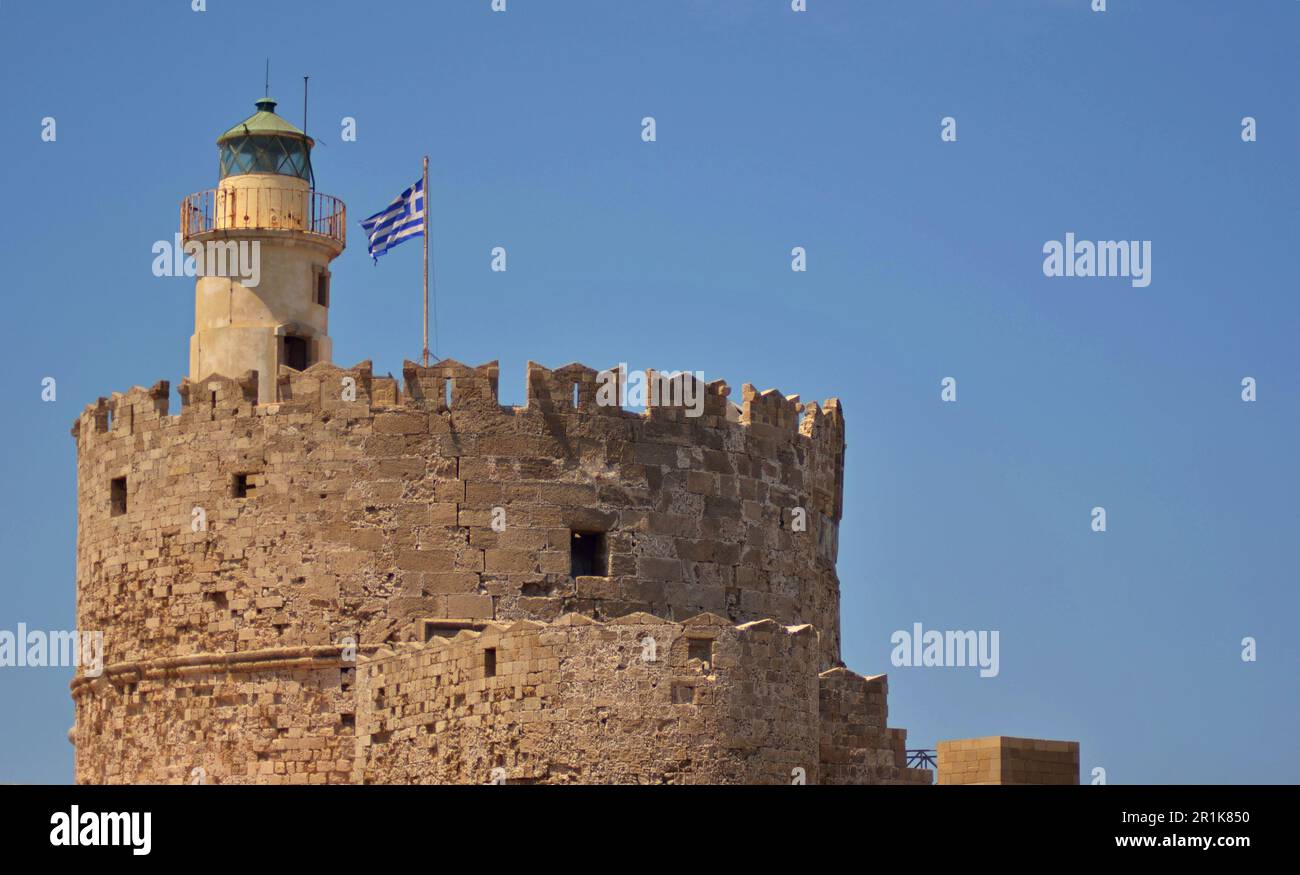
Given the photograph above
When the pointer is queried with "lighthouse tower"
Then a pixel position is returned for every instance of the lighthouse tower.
(267, 238)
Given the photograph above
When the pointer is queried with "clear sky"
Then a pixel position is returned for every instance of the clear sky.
(775, 129)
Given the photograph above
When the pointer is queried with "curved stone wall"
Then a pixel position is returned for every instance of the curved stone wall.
(281, 716)
(638, 700)
(316, 519)
(352, 510)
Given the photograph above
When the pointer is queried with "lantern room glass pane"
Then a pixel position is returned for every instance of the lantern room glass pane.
(260, 154)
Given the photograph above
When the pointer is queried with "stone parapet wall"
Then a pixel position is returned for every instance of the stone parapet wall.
(331, 515)
(637, 700)
(857, 746)
(265, 717)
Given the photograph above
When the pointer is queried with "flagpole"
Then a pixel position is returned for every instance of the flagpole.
(426, 260)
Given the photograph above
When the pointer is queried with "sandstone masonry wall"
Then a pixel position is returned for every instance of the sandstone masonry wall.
(857, 746)
(1001, 759)
(277, 721)
(328, 520)
(587, 702)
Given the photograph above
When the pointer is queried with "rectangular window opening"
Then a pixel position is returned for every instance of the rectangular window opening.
(701, 649)
(450, 628)
(323, 288)
(295, 352)
(117, 496)
(490, 662)
(588, 555)
(243, 486)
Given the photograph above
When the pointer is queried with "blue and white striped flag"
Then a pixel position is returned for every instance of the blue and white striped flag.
(400, 220)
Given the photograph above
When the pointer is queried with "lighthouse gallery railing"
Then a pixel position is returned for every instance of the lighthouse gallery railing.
(268, 209)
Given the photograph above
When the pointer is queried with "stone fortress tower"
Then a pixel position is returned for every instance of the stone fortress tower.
(313, 574)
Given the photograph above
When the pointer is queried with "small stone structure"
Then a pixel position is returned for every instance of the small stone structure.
(1001, 759)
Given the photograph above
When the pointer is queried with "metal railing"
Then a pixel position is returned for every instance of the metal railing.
(264, 209)
(922, 759)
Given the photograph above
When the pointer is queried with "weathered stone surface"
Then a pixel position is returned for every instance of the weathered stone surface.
(256, 529)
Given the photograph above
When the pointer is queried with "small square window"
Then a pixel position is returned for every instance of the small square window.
(700, 648)
(243, 486)
(117, 496)
(587, 554)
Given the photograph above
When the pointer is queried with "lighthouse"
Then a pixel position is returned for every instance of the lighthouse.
(266, 209)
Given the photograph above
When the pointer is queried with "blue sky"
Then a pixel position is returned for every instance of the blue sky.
(775, 129)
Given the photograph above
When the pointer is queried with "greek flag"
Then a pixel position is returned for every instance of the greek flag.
(400, 220)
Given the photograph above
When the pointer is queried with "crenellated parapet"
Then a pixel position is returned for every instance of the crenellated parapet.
(450, 385)
(566, 389)
(771, 409)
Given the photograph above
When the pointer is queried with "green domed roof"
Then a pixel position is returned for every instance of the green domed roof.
(266, 123)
